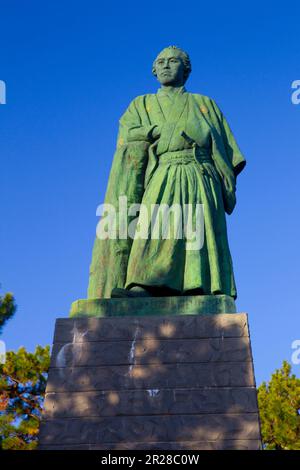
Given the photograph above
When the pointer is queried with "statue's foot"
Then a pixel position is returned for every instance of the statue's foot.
(139, 291)
(197, 291)
(119, 293)
(136, 291)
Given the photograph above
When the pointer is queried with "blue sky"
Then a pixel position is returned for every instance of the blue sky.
(71, 68)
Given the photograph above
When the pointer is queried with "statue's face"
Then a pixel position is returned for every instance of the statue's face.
(170, 68)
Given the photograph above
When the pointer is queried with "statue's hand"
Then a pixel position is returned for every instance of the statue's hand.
(156, 133)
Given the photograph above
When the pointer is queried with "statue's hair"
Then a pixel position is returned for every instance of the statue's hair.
(185, 58)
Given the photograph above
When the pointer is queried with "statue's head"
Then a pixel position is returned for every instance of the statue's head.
(172, 66)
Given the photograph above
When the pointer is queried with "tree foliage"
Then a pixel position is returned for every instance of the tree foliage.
(279, 407)
(7, 308)
(22, 387)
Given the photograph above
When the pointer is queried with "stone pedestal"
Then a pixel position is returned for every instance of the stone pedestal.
(181, 305)
(151, 382)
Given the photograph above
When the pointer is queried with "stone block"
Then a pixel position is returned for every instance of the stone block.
(159, 382)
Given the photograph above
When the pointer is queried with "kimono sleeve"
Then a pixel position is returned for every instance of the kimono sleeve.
(131, 128)
(127, 175)
(234, 155)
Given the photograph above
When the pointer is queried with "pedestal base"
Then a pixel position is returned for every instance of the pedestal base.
(181, 305)
(151, 382)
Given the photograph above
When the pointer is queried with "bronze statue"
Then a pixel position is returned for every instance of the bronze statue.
(174, 148)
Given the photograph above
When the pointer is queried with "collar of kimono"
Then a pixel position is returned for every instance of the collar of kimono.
(177, 91)
(176, 108)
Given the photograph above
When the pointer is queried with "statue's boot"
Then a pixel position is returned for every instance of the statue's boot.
(136, 291)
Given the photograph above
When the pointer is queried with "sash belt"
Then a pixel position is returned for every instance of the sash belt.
(186, 156)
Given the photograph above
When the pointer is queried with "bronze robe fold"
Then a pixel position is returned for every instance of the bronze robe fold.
(138, 174)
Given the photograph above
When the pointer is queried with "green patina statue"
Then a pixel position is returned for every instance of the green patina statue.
(174, 148)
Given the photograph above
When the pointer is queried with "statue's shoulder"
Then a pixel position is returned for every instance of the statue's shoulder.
(203, 98)
(207, 104)
(137, 104)
(142, 98)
